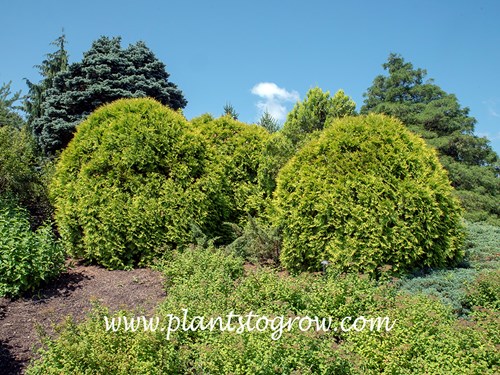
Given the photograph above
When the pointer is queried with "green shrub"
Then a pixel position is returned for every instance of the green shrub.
(484, 291)
(315, 112)
(256, 243)
(456, 287)
(17, 157)
(479, 206)
(482, 246)
(426, 339)
(449, 286)
(27, 258)
(131, 182)
(235, 150)
(209, 282)
(365, 194)
(21, 177)
(277, 151)
(201, 263)
(304, 122)
(477, 187)
(88, 348)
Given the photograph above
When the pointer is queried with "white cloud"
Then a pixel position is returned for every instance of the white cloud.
(274, 99)
(270, 90)
(493, 112)
(492, 105)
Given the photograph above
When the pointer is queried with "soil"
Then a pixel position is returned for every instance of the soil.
(71, 294)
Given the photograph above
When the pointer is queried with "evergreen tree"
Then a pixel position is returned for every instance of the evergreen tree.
(230, 111)
(313, 113)
(22, 173)
(106, 73)
(438, 117)
(8, 114)
(22, 176)
(269, 122)
(54, 63)
(306, 120)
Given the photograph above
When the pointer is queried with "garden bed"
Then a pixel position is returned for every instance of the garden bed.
(72, 294)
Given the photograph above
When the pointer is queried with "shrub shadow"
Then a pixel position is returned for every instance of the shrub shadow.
(8, 364)
(63, 286)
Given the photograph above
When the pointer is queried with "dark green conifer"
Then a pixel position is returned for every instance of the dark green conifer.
(107, 73)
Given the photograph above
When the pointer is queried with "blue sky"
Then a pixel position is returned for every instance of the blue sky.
(220, 51)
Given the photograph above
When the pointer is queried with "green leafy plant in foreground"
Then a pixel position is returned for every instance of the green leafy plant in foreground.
(27, 258)
(427, 339)
(484, 291)
(209, 282)
(88, 349)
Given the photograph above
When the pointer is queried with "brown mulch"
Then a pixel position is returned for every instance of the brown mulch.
(71, 294)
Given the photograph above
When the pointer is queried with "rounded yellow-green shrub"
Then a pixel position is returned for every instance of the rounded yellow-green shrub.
(366, 194)
(131, 183)
(235, 150)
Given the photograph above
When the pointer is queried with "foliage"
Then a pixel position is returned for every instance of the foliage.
(426, 339)
(89, 349)
(28, 258)
(341, 105)
(447, 285)
(8, 114)
(456, 286)
(256, 243)
(17, 159)
(54, 63)
(478, 188)
(484, 291)
(131, 183)
(208, 282)
(235, 150)
(264, 292)
(482, 246)
(197, 264)
(269, 122)
(21, 177)
(22, 172)
(230, 111)
(106, 73)
(303, 123)
(437, 116)
(314, 112)
(277, 151)
(367, 193)
(422, 106)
